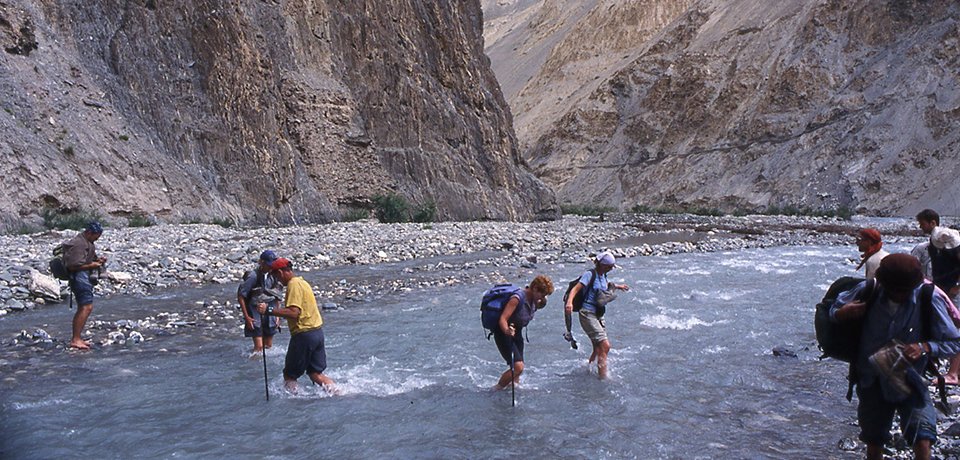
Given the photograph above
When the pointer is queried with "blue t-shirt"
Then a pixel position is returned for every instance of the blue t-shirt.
(590, 294)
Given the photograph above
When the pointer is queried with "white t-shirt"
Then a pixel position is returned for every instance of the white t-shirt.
(874, 262)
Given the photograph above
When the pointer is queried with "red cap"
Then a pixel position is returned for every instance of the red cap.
(281, 263)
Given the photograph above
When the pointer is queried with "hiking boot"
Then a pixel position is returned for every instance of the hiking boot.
(893, 365)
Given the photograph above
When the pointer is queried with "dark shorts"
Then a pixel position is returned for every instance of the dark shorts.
(509, 345)
(258, 330)
(305, 354)
(875, 415)
(81, 287)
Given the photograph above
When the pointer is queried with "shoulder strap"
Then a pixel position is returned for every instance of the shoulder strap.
(926, 310)
(593, 279)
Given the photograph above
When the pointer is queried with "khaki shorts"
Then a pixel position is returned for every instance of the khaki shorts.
(593, 326)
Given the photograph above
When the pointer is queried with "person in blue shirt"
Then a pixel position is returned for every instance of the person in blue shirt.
(594, 306)
(896, 314)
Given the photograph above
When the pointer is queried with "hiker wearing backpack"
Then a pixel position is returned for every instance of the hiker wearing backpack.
(871, 250)
(516, 313)
(904, 323)
(943, 255)
(597, 291)
(260, 328)
(306, 352)
(80, 258)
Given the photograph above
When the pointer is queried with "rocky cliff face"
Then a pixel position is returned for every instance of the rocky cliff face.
(747, 104)
(259, 112)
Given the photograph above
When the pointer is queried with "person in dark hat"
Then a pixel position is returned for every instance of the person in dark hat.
(895, 314)
(261, 328)
(80, 258)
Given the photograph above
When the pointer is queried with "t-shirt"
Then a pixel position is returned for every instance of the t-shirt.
(300, 295)
(590, 294)
(873, 263)
(78, 251)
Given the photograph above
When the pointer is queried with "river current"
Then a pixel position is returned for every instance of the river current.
(693, 375)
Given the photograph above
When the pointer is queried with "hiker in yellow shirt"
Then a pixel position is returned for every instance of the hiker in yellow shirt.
(306, 352)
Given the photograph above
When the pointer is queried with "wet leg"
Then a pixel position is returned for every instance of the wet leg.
(80, 320)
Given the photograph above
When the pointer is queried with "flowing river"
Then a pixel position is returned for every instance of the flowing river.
(693, 375)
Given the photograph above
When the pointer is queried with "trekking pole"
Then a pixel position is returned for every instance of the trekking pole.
(266, 387)
(513, 380)
(263, 324)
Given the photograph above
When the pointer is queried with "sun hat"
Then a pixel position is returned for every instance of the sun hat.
(945, 238)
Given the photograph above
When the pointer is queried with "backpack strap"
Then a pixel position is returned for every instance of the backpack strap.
(593, 279)
(868, 296)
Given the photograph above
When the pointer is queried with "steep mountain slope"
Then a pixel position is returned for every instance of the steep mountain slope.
(254, 111)
(747, 104)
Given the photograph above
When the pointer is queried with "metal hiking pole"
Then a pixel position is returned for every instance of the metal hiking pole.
(513, 383)
(263, 324)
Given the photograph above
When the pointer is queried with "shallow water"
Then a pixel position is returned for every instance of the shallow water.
(693, 376)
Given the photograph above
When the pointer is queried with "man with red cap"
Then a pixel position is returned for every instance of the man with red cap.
(896, 316)
(871, 249)
(306, 352)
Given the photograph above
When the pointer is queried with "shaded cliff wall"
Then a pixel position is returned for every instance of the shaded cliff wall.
(259, 112)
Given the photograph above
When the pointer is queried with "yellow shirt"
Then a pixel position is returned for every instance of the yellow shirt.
(300, 295)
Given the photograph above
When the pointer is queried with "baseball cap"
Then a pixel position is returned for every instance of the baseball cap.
(281, 263)
(268, 256)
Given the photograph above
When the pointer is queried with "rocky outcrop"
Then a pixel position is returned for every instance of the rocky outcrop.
(745, 105)
(256, 112)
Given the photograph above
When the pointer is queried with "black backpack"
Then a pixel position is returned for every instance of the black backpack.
(57, 268)
(581, 294)
(840, 340)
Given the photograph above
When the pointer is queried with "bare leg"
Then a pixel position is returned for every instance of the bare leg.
(257, 345)
(326, 382)
(952, 376)
(80, 320)
(268, 341)
(505, 377)
(290, 385)
(602, 349)
(874, 452)
(921, 450)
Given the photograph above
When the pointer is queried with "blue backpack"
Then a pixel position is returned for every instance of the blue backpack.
(491, 306)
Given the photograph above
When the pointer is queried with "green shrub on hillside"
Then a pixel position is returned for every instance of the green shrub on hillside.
(391, 208)
(69, 220)
(427, 212)
(354, 214)
(585, 209)
(139, 219)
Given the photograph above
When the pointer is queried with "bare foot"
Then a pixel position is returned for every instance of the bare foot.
(332, 390)
(291, 386)
(79, 344)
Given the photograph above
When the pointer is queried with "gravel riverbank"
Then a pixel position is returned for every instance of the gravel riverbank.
(142, 260)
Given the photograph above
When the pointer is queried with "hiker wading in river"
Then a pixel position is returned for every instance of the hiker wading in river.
(306, 352)
(80, 258)
(594, 306)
